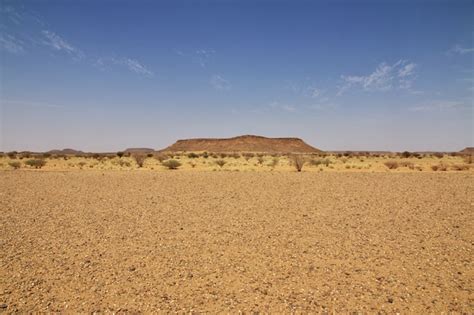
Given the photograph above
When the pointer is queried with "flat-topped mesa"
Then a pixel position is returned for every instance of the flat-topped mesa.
(246, 143)
(467, 150)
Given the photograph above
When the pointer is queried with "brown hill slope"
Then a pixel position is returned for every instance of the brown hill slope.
(467, 150)
(247, 143)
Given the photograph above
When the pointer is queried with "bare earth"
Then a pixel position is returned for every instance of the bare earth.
(228, 241)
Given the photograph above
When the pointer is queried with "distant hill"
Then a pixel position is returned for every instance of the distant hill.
(247, 143)
(467, 150)
(139, 150)
(66, 152)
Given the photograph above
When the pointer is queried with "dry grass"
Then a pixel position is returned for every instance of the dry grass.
(250, 162)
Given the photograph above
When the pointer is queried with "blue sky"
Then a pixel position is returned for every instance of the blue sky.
(342, 75)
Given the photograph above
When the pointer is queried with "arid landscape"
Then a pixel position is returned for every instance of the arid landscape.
(236, 157)
(242, 231)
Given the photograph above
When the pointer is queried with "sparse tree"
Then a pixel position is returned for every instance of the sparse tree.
(139, 159)
(298, 162)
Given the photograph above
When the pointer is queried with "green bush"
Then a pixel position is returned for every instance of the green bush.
(317, 162)
(171, 164)
(36, 163)
(193, 155)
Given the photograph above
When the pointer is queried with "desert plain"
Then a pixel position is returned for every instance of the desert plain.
(337, 240)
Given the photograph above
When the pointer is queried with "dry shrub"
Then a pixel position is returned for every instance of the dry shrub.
(405, 154)
(120, 154)
(468, 158)
(248, 155)
(121, 163)
(139, 159)
(410, 165)
(274, 162)
(391, 165)
(36, 163)
(260, 160)
(439, 167)
(298, 162)
(161, 157)
(235, 155)
(16, 165)
(12, 155)
(171, 164)
(439, 155)
(460, 167)
(317, 162)
(82, 164)
(220, 163)
(193, 165)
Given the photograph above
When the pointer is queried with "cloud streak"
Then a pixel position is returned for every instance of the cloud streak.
(383, 78)
(134, 66)
(11, 44)
(56, 42)
(219, 83)
(439, 106)
(458, 49)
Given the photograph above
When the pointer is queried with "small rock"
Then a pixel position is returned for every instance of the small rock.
(131, 268)
(3, 306)
(390, 300)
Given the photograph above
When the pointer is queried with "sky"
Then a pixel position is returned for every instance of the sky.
(103, 75)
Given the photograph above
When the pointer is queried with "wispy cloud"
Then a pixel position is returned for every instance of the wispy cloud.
(30, 104)
(203, 55)
(134, 66)
(199, 56)
(11, 44)
(439, 106)
(306, 89)
(11, 14)
(383, 78)
(56, 42)
(219, 83)
(284, 107)
(458, 49)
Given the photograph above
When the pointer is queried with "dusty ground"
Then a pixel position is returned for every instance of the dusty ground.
(229, 241)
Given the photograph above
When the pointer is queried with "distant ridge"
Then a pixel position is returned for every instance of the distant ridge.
(66, 152)
(246, 143)
(468, 150)
(139, 150)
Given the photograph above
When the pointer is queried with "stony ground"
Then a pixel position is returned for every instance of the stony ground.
(228, 241)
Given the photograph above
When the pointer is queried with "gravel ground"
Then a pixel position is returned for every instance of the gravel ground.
(228, 241)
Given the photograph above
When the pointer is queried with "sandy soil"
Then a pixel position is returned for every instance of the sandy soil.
(229, 241)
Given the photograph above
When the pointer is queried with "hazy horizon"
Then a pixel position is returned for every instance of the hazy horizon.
(344, 75)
